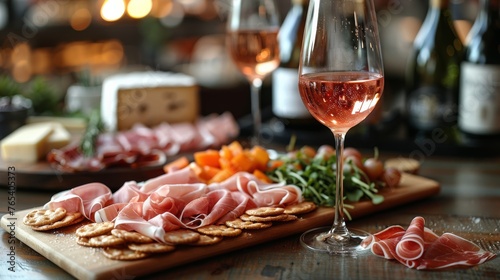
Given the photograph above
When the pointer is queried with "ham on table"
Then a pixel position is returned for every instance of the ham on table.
(420, 248)
(174, 200)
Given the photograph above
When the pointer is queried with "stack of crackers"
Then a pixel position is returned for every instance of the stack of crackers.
(119, 244)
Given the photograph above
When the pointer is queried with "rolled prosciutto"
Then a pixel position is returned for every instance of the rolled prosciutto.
(420, 248)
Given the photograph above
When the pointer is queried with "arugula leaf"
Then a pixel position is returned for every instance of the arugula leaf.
(316, 176)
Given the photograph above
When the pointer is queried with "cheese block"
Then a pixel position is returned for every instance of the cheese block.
(32, 142)
(76, 125)
(59, 137)
(26, 144)
(148, 98)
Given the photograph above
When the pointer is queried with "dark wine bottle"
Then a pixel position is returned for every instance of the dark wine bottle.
(432, 82)
(287, 104)
(479, 110)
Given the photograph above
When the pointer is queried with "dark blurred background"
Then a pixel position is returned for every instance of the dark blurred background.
(60, 39)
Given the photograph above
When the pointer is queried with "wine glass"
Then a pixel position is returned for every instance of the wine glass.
(340, 81)
(252, 40)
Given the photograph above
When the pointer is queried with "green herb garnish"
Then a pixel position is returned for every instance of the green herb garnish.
(316, 176)
(95, 127)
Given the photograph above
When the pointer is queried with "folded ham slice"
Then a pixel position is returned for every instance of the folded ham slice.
(420, 248)
(174, 200)
(452, 250)
(86, 199)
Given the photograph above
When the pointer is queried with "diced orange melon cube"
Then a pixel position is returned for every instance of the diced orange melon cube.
(222, 175)
(242, 162)
(260, 156)
(208, 157)
(262, 176)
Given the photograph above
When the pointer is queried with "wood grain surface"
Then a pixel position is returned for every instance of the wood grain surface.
(59, 246)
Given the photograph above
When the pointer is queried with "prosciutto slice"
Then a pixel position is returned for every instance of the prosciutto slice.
(174, 200)
(411, 245)
(86, 199)
(452, 250)
(420, 248)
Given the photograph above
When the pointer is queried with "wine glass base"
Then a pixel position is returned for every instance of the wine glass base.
(315, 239)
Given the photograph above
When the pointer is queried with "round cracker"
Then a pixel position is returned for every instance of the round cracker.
(300, 208)
(181, 236)
(206, 240)
(151, 247)
(41, 217)
(106, 240)
(239, 223)
(265, 211)
(289, 218)
(69, 219)
(83, 241)
(123, 254)
(403, 164)
(219, 230)
(94, 229)
(131, 236)
(276, 218)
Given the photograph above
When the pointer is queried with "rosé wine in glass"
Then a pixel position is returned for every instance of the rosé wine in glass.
(255, 52)
(341, 100)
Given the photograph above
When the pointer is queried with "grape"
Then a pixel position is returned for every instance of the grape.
(325, 151)
(348, 152)
(391, 177)
(374, 168)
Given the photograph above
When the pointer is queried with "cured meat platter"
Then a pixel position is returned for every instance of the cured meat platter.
(60, 247)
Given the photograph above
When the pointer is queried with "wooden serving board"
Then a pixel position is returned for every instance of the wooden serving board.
(59, 246)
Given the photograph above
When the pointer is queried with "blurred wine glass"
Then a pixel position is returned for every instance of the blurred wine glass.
(252, 40)
(341, 80)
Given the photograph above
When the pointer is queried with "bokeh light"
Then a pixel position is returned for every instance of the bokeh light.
(112, 10)
(80, 19)
(139, 8)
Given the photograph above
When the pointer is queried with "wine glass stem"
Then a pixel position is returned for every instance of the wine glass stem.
(255, 89)
(339, 230)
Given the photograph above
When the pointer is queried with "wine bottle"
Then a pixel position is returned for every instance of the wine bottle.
(432, 82)
(479, 110)
(287, 104)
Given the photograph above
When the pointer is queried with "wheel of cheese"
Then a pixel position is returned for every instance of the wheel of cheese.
(148, 98)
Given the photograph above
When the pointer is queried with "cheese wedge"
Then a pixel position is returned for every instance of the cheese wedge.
(27, 143)
(59, 137)
(32, 142)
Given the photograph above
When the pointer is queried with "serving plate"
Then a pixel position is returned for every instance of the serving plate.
(42, 176)
(59, 246)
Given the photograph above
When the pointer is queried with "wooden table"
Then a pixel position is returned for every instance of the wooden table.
(468, 205)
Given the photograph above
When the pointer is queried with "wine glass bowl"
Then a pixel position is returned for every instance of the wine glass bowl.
(341, 100)
(341, 80)
(255, 52)
(252, 41)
